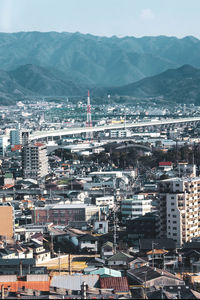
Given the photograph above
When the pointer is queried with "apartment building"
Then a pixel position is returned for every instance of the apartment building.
(34, 161)
(62, 214)
(135, 206)
(178, 209)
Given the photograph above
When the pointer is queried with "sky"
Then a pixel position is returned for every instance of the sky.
(103, 17)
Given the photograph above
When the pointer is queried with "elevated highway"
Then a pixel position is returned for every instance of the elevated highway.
(74, 131)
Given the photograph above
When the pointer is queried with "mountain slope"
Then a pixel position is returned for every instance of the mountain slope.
(98, 61)
(47, 82)
(10, 90)
(178, 85)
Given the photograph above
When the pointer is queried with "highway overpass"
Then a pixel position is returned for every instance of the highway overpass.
(74, 131)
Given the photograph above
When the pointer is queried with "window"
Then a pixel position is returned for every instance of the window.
(174, 234)
(173, 209)
(174, 222)
(174, 216)
(172, 203)
(174, 228)
(168, 215)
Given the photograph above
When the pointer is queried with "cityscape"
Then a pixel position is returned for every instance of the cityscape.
(99, 152)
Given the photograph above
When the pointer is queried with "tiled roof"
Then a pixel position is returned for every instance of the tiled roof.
(121, 256)
(165, 163)
(118, 284)
(149, 273)
(87, 237)
(73, 282)
(157, 251)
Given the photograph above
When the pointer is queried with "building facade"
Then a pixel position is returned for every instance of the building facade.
(134, 207)
(178, 209)
(7, 221)
(34, 161)
(62, 214)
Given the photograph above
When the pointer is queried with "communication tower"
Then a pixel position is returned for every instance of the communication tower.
(89, 134)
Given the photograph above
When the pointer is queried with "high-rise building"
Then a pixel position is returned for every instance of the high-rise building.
(24, 137)
(34, 161)
(15, 136)
(3, 144)
(178, 209)
(7, 220)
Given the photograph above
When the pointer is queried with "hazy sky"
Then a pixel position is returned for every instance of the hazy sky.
(103, 17)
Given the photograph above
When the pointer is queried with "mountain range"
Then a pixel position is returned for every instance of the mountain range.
(180, 85)
(174, 85)
(98, 61)
(67, 64)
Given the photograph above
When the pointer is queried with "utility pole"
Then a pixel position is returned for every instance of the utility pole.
(153, 254)
(115, 232)
(59, 261)
(153, 244)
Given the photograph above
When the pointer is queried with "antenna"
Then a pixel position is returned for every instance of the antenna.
(89, 134)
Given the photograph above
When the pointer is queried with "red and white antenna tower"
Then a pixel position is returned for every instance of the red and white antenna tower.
(89, 134)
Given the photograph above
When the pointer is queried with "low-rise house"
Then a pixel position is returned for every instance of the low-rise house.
(173, 292)
(151, 277)
(6, 254)
(192, 261)
(107, 250)
(120, 260)
(21, 267)
(147, 244)
(138, 263)
(119, 285)
(166, 165)
(88, 242)
(12, 285)
(39, 253)
(156, 257)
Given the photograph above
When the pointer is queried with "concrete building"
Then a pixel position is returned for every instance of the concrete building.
(178, 209)
(120, 133)
(105, 203)
(134, 207)
(62, 214)
(3, 144)
(34, 161)
(15, 137)
(186, 170)
(7, 220)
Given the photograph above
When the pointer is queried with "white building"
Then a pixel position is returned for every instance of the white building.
(105, 202)
(3, 144)
(120, 133)
(34, 161)
(178, 207)
(135, 207)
